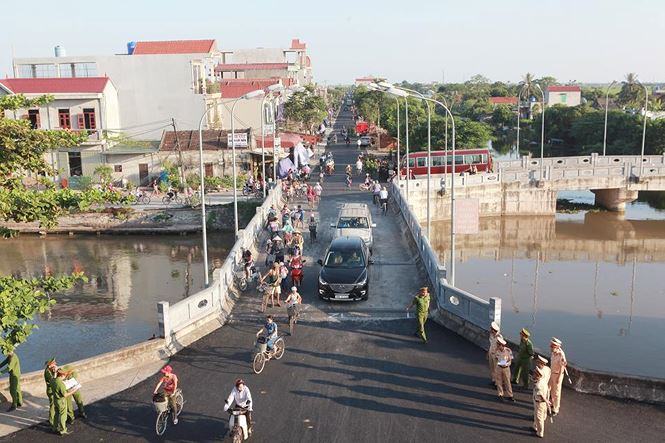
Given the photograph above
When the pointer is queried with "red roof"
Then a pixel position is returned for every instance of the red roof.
(55, 85)
(237, 87)
(503, 100)
(563, 89)
(249, 66)
(297, 44)
(175, 47)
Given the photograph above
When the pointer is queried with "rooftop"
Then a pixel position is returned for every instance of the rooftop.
(297, 44)
(213, 140)
(55, 85)
(503, 100)
(250, 66)
(174, 47)
(234, 88)
(563, 88)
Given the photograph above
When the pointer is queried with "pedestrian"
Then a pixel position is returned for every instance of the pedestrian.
(318, 190)
(60, 395)
(523, 361)
(421, 301)
(49, 377)
(491, 351)
(559, 364)
(540, 401)
(311, 195)
(348, 170)
(359, 166)
(349, 180)
(300, 217)
(284, 283)
(70, 373)
(312, 228)
(504, 356)
(273, 280)
(14, 369)
(293, 302)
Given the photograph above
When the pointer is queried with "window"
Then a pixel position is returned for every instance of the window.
(473, 159)
(44, 71)
(412, 162)
(208, 170)
(66, 70)
(89, 120)
(117, 168)
(75, 165)
(564, 98)
(64, 118)
(459, 159)
(33, 116)
(84, 69)
(422, 161)
(25, 71)
(353, 222)
(437, 161)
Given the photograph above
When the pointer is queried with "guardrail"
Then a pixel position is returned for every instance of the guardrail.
(448, 298)
(215, 298)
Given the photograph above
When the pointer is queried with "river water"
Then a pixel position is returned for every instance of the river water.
(117, 307)
(592, 279)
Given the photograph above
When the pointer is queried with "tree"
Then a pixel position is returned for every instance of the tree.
(305, 108)
(632, 93)
(104, 174)
(22, 299)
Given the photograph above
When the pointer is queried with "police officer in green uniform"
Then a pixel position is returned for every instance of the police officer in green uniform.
(49, 376)
(14, 369)
(60, 397)
(523, 360)
(421, 302)
(70, 372)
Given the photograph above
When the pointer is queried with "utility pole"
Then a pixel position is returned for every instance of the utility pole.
(177, 146)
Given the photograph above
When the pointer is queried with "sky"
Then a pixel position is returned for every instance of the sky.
(591, 41)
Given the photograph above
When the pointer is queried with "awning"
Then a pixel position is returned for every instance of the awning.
(287, 140)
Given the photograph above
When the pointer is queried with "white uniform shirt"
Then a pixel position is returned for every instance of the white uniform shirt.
(492, 348)
(383, 195)
(504, 355)
(242, 399)
(541, 390)
(558, 361)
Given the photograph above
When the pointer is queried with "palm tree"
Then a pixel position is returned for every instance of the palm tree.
(527, 89)
(631, 92)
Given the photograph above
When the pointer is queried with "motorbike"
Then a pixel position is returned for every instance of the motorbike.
(238, 425)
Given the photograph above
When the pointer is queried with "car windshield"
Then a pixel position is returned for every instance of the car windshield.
(353, 222)
(344, 259)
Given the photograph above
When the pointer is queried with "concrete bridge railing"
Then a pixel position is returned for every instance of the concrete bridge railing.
(186, 315)
(460, 307)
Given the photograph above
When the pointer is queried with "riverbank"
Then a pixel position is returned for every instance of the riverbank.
(128, 220)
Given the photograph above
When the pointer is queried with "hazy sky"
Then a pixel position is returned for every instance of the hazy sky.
(415, 40)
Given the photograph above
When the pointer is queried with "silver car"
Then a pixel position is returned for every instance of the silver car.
(355, 220)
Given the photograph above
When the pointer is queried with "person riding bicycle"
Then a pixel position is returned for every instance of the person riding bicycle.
(376, 190)
(248, 263)
(169, 381)
(171, 193)
(269, 331)
(242, 397)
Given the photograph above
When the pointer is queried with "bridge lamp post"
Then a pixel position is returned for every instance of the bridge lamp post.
(206, 273)
(517, 141)
(250, 95)
(542, 130)
(644, 127)
(607, 106)
(375, 87)
(276, 88)
(388, 87)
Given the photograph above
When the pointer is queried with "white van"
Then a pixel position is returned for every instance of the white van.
(355, 220)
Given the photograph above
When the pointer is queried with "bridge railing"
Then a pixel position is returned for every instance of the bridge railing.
(593, 161)
(216, 298)
(467, 306)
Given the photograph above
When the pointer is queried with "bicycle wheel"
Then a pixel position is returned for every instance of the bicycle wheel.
(177, 199)
(146, 200)
(166, 200)
(179, 403)
(280, 347)
(162, 421)
(259, 363)
(242, 283)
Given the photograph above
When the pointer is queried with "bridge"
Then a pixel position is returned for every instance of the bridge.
(525, 187)
(351, 372)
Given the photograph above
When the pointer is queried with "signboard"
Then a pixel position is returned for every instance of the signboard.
(467, 214)
(240, 139)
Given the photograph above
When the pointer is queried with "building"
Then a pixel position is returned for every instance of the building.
(364, 81)
(510, 101)
(563, 95)
(156, 81)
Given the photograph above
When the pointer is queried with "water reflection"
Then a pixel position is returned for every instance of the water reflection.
(127, 276)
(593, 279)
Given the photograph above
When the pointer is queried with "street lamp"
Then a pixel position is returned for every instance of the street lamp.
(542, 130)
(396, 92)
(607, 105)
(250, 95)
(376, 87)
(644, 127)
(271, 89)
(206, 278)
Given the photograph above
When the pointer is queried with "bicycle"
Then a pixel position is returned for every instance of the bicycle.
(164, 410)
(241, 278)
(167, 199)
(193, 200)
(262, 354)
(364, 187)
(143, 199)
(384, 206)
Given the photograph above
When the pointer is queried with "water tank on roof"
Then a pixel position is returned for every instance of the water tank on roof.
(60, 51)
(130, 47)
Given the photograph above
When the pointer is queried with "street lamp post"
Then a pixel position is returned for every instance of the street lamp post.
(607, 106)
(268, 97)
(542, 130)
(252, 94)
(644, 127)
(206, 273)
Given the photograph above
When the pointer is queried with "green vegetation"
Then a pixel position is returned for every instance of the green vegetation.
(104, 174)
(305, 109)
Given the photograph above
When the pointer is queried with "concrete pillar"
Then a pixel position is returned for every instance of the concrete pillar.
(494, 311)
(614, 199)
(163, 319)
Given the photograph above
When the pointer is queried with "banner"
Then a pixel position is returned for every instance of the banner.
(240, 139)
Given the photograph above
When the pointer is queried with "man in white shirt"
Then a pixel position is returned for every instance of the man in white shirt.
(376, 190)
(359, 166)
(242, 398)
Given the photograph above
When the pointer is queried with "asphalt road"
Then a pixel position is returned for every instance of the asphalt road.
(353, 373)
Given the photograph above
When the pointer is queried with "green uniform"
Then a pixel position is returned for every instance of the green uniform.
(14, 369)
(78, 398)
(422, 311)
(523, 362)
(59, 396)
(48, 378)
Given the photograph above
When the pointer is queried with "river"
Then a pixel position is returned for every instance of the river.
(117, 307)
(592, 279)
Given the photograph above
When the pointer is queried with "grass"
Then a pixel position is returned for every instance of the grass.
(566, 206)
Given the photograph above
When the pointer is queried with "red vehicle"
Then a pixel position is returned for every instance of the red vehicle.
(362, 128)
(466, 160)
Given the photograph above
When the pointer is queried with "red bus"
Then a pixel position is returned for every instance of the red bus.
(481, 159)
